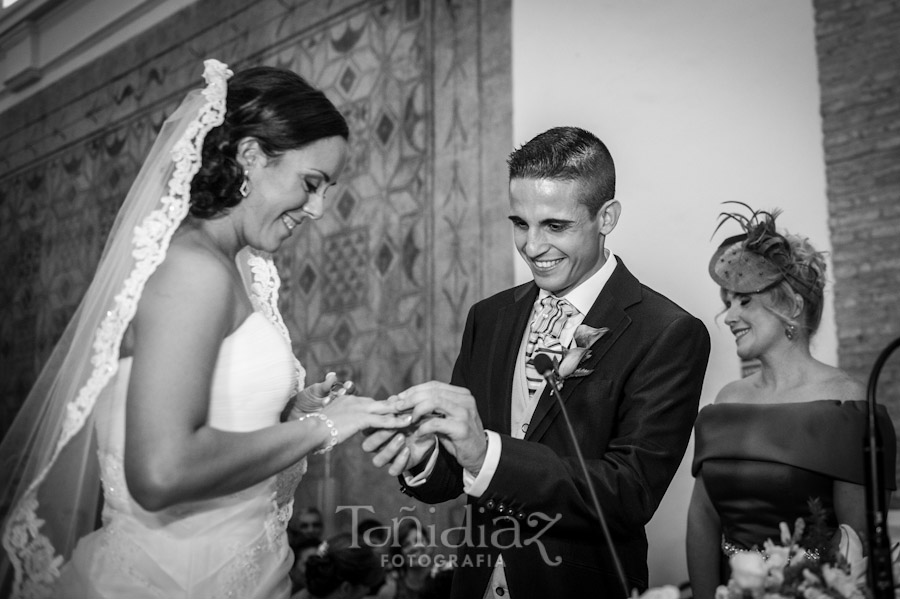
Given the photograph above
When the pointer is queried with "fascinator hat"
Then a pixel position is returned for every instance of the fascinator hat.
(50, 487)
(760, 258)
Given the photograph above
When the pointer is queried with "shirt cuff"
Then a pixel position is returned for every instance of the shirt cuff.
(414, 480)
(475, 486)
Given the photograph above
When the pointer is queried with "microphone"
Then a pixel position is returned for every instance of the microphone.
(547, 369)
(881, 578)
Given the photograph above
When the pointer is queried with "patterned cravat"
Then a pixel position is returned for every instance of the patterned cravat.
(546, 327)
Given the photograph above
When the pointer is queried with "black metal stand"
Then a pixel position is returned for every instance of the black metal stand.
(881, 579)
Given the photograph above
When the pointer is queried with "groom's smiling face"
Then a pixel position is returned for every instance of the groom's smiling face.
(554, 232)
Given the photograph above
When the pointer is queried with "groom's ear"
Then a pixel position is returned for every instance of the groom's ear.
(609, 216)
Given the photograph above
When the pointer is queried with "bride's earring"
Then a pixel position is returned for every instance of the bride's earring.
(245, 185)
(790, 331)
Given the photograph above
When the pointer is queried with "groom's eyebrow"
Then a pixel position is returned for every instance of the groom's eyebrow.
(547, 221)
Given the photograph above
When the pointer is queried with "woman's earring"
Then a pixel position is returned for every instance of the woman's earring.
(789, 331)
(245, 185)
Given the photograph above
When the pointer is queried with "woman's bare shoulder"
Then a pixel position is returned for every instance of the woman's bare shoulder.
(192, 272)
(839, 384)
(738, 391)
(191, 289)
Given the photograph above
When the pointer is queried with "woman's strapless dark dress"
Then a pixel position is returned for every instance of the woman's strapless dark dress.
(762, 463)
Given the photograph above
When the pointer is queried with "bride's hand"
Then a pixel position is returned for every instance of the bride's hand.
(317, 395)
(351, 414)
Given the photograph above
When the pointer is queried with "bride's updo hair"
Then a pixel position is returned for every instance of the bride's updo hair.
(279, 109)
(338, 561)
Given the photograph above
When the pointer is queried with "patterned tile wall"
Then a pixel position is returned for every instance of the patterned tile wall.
(379, 288)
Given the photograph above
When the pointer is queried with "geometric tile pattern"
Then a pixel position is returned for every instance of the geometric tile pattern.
(345, 279)
(414, 232)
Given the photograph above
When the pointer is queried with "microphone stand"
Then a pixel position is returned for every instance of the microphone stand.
(881, 578)
(545, 366)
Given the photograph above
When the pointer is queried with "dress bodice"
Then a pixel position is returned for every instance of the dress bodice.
(762, 463)
(230, 546)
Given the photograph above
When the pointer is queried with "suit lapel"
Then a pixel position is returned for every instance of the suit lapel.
(512, 320)
(621, 291)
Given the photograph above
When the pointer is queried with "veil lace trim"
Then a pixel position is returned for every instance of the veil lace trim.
(31, 553)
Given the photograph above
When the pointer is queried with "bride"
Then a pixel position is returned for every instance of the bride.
(166, 389)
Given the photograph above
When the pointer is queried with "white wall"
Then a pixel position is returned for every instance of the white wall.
(699, 101)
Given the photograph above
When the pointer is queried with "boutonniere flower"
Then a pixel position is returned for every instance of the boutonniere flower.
(585, 337)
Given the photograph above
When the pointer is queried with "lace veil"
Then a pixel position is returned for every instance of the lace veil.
(49, 470)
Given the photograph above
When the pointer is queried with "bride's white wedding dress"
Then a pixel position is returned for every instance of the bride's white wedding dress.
(232, 546)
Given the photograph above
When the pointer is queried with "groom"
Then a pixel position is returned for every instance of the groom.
(501, 438)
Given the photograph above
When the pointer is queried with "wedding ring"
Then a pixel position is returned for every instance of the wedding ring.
(339, 389)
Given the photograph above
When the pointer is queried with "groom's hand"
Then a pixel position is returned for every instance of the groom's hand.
(403, 450)
(450, 413)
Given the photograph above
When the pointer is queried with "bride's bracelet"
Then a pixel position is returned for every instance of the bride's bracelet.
(332, 431)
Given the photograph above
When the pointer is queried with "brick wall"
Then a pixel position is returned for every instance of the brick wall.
(858, 45)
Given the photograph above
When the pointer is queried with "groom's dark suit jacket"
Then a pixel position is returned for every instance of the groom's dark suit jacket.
(632, 418)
